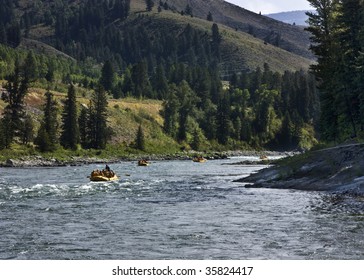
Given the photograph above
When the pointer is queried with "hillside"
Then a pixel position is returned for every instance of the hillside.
(248, 39)
(291, 38)
(294, 17)
(188, 82)
(239, 51)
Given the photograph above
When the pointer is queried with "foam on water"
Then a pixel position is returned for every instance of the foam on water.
(170, 210)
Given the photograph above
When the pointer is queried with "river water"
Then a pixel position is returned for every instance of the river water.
(170, 210)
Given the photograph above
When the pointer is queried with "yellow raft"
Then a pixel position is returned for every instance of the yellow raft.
(143, 163)
(199, 159)
(99, 176)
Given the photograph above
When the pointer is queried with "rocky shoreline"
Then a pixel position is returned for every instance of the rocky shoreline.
(39, 161)
(338, 169)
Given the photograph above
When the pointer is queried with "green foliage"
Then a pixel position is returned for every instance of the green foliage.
(140, 141)
(47, 138)
(70, 137)
(179, 64)
(107, 76)
(97, 125)
(149, 5)
(14, 112)
(337, 36)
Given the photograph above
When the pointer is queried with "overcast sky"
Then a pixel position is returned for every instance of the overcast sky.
(272, 6)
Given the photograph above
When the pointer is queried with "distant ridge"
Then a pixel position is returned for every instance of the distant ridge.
(293, 17)
(292, 38)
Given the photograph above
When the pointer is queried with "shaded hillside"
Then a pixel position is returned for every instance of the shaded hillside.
(291, 38)
(239, 51)
(294, 17)
(248, 40)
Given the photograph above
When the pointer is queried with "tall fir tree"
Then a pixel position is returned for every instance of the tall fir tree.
(107, 76)
(47, 138)
(83, 121)
(140, 140)
(14, 112)
(149, 5)
(98, 119)
(322, 26)
(70, 136)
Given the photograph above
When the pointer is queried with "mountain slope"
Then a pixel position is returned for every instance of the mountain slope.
(239, 51)
(294, 17)
(292, 38)
(248, 40)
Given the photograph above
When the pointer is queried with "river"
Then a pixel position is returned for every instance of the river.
(170, 210)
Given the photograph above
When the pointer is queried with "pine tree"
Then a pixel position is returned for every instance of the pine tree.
(196, 141)
(216, 40)
(322, 26)
(149, 4)
(30, 67)
(98, 119)
(223, 120)
(350, 34)
(83, 121)
(70, 136)
(47, 138)
(14, 112)
(28, 130)
(170, 113)
(188, 101)
(107, 76)
(140, 141)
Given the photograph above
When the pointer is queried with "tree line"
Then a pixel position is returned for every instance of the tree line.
(180, 67)
(260, 109)
(337, 29)
(87, 128)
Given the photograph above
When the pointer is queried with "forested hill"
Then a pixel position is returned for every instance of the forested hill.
(286, 36)
(217, 86)
(109, 29)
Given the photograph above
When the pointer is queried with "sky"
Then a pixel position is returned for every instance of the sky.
(272, 6)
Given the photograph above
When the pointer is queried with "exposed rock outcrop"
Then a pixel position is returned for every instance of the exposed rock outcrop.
(338, 169)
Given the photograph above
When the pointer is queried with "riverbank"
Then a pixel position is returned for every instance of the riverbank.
(337, 169)
(40, 161)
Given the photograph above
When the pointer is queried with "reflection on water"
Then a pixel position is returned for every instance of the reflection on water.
(170, 210)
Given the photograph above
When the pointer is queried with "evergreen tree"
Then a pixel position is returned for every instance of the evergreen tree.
(223, 120)
(70, 136)
(322, 27)
(98, 119)
(140, 141)
(170, 113)
(30, 67)
(150, 5)
(28, 130)
(107, 76)
(47, 138)
(6, 137)
(42, 140)
(188, 10)
(216, 40)
(196, 141)
(350, 34)
(14, 112)
(140, 79)
(188, 101)
(83, 122)
(160, 83)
